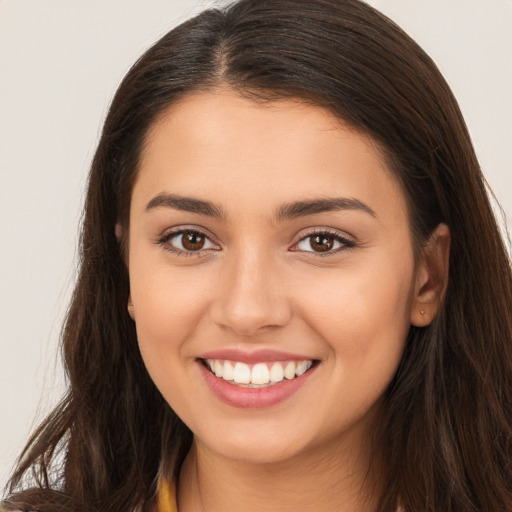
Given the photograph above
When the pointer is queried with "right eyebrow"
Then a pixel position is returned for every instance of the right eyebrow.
(187, 204)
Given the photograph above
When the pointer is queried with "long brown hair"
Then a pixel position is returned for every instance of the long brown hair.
(446, 427)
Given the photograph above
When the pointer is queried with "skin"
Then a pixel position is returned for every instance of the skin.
(258, 283)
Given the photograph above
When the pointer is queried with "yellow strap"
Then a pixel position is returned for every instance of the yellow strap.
(166, 497)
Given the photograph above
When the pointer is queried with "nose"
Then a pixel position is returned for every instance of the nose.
(252, 297)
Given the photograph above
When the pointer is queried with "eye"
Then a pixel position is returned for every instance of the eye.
(324, 242)
(187, 241)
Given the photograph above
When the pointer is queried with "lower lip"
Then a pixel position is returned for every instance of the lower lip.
(253, 398)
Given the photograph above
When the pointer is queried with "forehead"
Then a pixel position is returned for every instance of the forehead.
(220, 144)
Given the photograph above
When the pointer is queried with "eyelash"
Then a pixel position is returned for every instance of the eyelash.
(165, 240)
(345, 243)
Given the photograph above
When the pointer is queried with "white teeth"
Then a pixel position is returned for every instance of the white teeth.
(218, 369)
(242, 373)
(289, 371)
(260, 374)
(276, 373)
(303, 367)
(228, 373)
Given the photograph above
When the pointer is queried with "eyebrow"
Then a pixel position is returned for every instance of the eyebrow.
(187, 204)
(285, 212)
(297, 209)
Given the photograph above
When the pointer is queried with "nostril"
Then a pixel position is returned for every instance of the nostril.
(250, 319)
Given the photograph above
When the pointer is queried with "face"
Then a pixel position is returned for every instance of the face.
(272, 274)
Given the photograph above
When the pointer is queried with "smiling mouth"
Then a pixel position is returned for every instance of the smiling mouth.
(259, 375)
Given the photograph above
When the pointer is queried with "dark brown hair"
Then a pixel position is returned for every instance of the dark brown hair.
(446, 427)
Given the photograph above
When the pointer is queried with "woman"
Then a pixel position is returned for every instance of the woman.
(293, 291)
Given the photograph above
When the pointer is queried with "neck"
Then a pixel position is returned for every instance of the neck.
(328, 478)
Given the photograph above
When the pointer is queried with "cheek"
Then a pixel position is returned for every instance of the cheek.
(363, 322)
(168, 308)
(361, 313)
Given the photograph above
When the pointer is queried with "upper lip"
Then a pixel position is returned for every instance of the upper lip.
(255, 356)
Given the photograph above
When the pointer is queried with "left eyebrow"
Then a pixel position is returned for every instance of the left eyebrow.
(297, 209)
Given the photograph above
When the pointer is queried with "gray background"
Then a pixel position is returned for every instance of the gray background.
(60, 63)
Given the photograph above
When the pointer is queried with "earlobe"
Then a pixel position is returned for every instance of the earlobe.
(431, 277)
(131, 309)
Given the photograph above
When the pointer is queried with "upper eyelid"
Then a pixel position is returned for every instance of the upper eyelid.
(348, 242)
(177, 230)
(300, 235)
(165, 242)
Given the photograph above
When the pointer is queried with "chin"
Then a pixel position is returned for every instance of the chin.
(258, 446)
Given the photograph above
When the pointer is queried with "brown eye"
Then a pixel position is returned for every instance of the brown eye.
(193, 241)
(187, 242)
(322, 242)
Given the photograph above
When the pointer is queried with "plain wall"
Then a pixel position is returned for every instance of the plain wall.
(60, 63)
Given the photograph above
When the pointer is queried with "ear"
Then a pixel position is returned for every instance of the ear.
(131, 309)
(118, 231)
(431, 277)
